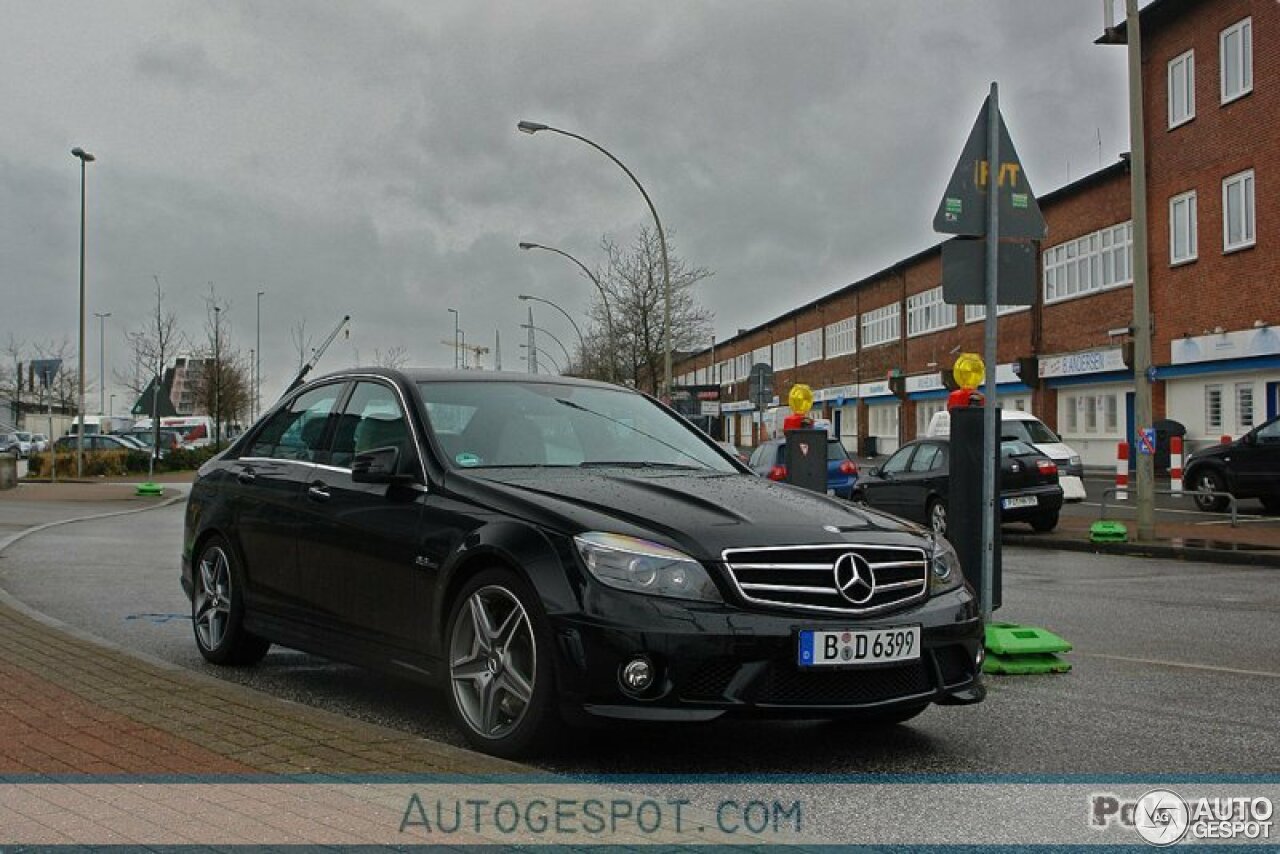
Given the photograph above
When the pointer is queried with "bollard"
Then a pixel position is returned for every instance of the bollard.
(1122, 471)
(1175, 465)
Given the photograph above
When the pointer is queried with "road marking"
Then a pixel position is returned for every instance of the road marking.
(1182, 664)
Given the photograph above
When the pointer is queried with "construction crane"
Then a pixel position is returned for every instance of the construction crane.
(475, 351)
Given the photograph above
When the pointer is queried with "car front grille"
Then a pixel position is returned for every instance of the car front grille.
(804, 577)
(783, 684)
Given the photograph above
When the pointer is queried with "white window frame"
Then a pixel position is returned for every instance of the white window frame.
(974, 313)
(841, 337)
(1183, 68)
(1210, 426)
(1242, 64)
(1099, 261)
(762, 354)
(809, 346)
(1248, 214)
(927, 312)
(1187, 202)
(743, 363)
(1246, 407)
(784, 354)
(882, 325)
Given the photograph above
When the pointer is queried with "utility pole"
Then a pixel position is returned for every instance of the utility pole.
(1141, 279)
(217, 377)
(257, 364)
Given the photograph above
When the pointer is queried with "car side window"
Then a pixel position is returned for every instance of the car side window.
(927, 458)
(371, 419)
(1269, 432)
(757, 457)
(294, 432)
(897, 462)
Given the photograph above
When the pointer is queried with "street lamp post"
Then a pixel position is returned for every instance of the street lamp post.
(581, 341)
(534, 127)
(257, 364)
(567, 358)
(608, 315)
(85, 158)
(102, 359)
(545, 354)
(454, 312)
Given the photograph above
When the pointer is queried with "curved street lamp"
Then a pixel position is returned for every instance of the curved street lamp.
(534, 127)
(84, 157)
(548, 356)
(581, 341)
(567, 358)
(608, 314)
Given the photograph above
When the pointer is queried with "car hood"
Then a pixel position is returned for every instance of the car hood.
(1055, 450)
(700, 513)
(1219, 450)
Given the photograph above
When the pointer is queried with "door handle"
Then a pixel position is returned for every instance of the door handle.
(246, 476)
(317, 492)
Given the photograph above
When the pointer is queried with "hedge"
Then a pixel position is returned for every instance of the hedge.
(115, 463)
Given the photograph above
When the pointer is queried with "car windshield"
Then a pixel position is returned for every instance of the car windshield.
(835, 451)
(1032, 432)
(25, 437)
(505, 424)
(1015, 448)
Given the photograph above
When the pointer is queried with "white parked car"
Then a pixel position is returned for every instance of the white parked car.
(1026, 427)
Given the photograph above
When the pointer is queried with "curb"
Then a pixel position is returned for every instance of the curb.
(1263, 557)
(7, 599)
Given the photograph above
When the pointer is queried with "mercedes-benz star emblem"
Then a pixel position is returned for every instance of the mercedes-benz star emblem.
(854, 578)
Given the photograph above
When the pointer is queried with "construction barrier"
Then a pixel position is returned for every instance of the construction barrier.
(1122, 471)
(1175, 465)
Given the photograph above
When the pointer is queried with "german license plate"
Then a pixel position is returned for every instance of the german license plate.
(1019, 501)
(876, 646)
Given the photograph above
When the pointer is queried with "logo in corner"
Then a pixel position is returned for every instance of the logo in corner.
(1161, 817)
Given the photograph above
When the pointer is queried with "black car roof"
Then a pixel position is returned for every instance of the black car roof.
(415, 375)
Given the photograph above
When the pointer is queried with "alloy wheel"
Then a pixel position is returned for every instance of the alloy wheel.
(493, 662)
(213, 598)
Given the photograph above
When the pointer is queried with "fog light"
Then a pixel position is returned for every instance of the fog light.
(637, 675)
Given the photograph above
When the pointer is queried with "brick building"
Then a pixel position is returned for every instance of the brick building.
(1211, 83)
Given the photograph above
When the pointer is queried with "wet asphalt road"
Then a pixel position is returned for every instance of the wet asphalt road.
(1175, 670)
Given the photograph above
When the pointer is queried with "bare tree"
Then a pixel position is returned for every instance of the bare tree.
(633, 282)
(224, 388)
(302, 342)
(152, 346)
(393, 357)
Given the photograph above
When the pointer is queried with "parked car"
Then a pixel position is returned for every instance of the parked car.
(553, 549)
(39, 443)
(13, 444)
(1015, 424)
(768, 460)
(1249, 467)
(96, 442)
(914, 483)
(733, 451)
(170, 440)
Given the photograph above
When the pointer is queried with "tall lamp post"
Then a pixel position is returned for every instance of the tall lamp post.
(567, 358)
(546, 355)
(608, 315)
(85, 158)
(581, 341)
(454, 312)
(534, 127)
(257, 363)
(217, 377)
(102, 359)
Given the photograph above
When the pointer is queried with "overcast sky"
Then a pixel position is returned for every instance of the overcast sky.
(362, 157)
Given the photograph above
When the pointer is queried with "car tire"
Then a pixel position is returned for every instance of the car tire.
(217, 608)
(937, 516)
(1209, 480)
(1045, 521)
(501, 678)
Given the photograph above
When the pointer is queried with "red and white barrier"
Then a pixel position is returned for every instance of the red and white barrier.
(1175, 465)
(1122, 471)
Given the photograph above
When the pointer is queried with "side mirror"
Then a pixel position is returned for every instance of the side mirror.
(874, 471)
(378, 466)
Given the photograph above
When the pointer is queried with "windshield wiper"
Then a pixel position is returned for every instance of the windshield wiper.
(639, 464)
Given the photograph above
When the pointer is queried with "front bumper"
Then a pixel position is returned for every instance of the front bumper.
(717, 660)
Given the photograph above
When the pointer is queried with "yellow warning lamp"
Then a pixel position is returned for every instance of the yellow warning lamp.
(800, 399)
(969, 371)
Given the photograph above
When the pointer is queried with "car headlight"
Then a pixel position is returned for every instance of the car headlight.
(641, 566)
(944, 567)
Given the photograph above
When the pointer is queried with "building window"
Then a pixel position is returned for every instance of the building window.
(1073, 417)
(743, 363)
(925, 410)
(1236, 54)
(1182, 228)
(1244, 406)
(762, 354)
(1095, 262)
(1090, 414)
(784, 354)
(882, 325)
(841, 337)
(1213, 408)
(883, 421)
(1110, 424)
(809, 346)
(974, 313)
(1182, 89)
(1237, 211)
(926, 312)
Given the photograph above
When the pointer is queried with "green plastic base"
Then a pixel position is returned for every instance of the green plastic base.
(1025, 664)
(1106, 531)
(150, 489)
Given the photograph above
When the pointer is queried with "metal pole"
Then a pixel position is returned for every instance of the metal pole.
(217, 379)
(454, 312)
(80, 408)
(1141, 282)
(611, 373)
(563, 349)
(102, 359)
(257, 364)
(990, 353)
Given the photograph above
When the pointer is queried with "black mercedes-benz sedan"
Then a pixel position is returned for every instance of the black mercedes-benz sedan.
(552, 550)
